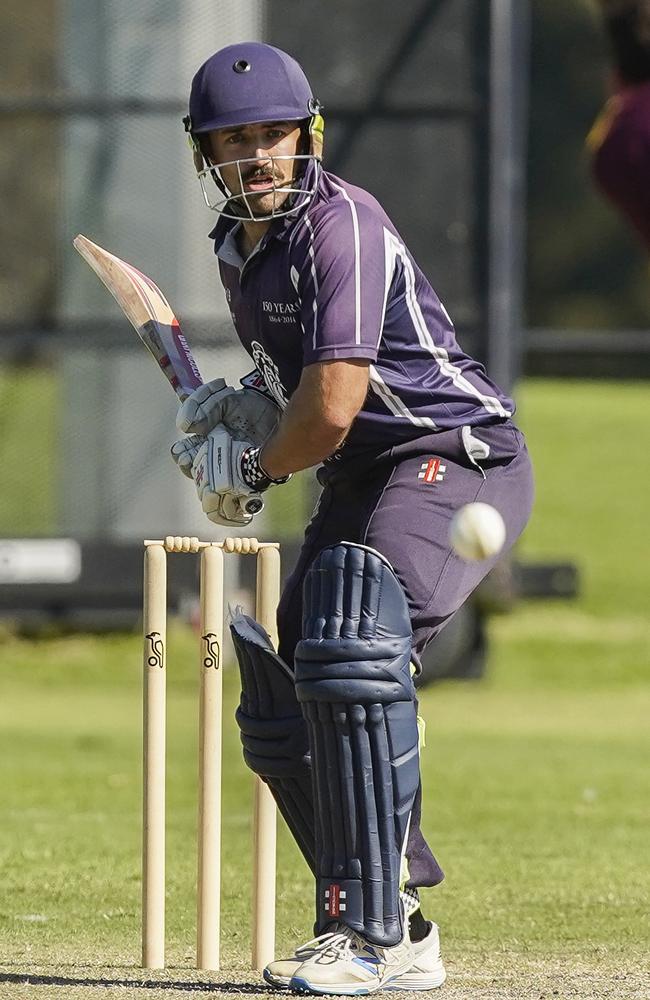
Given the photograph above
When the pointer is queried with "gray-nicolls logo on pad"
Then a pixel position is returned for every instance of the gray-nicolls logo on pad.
(432, 471)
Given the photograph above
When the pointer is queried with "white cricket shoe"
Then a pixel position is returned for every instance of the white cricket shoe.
(426, 971)
(345, 964)
(280, 972)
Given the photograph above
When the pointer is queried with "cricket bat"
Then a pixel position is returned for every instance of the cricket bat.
(153, 319)
(149, 312)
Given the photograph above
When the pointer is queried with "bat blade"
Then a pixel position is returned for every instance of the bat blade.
(149, 312)
(153, 319)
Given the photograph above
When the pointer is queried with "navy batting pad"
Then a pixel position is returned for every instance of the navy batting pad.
(354, 684)
(273, 731)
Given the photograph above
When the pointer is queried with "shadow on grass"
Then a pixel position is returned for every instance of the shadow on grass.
(29, 979)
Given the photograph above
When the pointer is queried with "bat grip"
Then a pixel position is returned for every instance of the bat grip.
(253, 505)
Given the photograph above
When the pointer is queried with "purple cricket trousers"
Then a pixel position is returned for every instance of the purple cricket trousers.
(400, 502)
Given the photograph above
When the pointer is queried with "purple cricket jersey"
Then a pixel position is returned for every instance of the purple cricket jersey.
(335, 282)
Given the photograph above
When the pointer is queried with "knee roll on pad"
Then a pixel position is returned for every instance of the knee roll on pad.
(273, 731)
(354, 684)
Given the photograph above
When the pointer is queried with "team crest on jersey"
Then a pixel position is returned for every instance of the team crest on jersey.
(270, 374)
(432, 471)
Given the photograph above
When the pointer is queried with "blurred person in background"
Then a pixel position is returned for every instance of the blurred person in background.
(620, 139)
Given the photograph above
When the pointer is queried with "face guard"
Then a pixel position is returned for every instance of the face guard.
(288, 196)
(241, 85)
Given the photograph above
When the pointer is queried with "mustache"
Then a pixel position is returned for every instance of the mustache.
(257, 172)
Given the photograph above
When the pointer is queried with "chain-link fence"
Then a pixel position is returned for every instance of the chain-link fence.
(92, 95)
(92, 142)
(91, 98)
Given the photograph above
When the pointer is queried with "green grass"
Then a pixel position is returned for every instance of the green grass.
(589, 441)
(29, 452)
(31, 449)
(536, 779)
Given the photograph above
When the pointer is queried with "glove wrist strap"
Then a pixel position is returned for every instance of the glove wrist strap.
(254, 474)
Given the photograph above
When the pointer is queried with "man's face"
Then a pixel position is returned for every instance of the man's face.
(256, 143)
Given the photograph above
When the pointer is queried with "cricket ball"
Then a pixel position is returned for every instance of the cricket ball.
(477, 532)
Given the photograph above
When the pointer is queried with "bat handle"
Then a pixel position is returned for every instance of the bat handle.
(254, 504)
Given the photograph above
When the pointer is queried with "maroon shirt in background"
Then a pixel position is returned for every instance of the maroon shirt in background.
(621, 156)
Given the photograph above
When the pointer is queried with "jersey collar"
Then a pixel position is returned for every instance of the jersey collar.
(280, 229)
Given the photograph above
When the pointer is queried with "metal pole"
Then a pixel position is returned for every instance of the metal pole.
(509, 34)
(154, 698)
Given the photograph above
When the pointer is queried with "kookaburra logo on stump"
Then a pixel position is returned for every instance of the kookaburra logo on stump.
(156, 654)
(211, 652)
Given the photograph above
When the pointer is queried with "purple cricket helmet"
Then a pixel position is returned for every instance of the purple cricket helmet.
(246, 83)
(240, 85)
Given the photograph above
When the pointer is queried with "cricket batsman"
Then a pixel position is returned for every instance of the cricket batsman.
(357, 371)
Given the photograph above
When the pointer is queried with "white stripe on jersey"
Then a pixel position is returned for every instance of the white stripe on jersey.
(451, 371)
(394, 403)
(313, 275)
(390, 259)
(357, 263)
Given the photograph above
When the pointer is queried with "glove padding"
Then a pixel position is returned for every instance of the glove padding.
(248, 414)
(184, 452)
(216, 471)
(228, 510)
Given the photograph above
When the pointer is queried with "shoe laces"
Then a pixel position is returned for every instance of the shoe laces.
(340, 943)
(317, 943)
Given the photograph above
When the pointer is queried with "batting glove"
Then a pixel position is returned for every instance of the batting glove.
(224, 468)
(249, 414)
